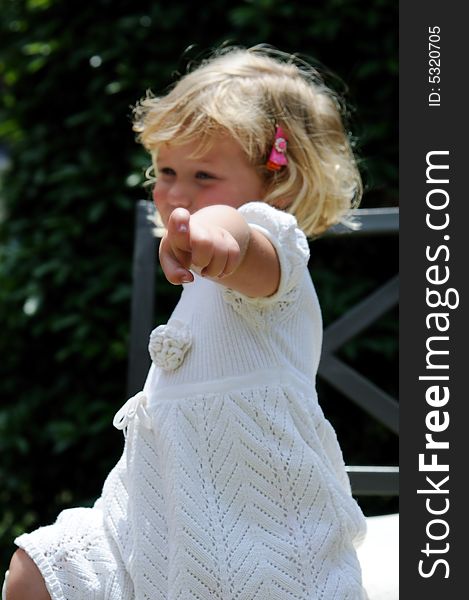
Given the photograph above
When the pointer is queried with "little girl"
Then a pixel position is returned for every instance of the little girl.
(231, 484)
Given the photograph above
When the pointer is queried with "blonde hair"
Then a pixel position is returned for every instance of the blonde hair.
(245, 93)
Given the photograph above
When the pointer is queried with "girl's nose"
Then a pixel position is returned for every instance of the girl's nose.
(180, 195)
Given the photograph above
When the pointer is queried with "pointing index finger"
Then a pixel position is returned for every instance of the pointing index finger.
(179, 229)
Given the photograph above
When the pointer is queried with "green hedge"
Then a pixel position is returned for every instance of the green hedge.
(69, 74)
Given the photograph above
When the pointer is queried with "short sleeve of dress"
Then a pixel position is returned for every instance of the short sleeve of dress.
(293, 253)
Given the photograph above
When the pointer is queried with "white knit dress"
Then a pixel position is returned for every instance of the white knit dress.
(231, 484)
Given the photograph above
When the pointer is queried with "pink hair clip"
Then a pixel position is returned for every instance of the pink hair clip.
(278, 158)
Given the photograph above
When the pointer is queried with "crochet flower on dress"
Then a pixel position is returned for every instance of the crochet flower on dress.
(169, 344)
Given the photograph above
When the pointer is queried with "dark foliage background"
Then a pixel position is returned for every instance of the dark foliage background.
(69, 73)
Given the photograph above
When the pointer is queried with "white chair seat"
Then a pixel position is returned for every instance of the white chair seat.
(379, 558)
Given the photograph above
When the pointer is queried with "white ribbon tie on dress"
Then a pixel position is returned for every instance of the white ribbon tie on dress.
(136, 405)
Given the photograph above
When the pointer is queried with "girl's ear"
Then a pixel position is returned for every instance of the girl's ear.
(282, 203)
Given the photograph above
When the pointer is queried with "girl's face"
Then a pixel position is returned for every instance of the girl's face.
(221, 176)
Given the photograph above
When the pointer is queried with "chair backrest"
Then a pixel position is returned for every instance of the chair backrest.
(365, 480)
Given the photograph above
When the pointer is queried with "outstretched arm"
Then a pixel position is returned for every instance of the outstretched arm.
(217, 242)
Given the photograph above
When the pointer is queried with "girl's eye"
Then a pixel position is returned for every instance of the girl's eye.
(167, 171)
(204, 175)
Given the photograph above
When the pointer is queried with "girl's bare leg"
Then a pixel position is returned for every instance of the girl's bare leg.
(25, 581)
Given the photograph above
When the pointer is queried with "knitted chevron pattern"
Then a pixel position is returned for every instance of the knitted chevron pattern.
(252, 512)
